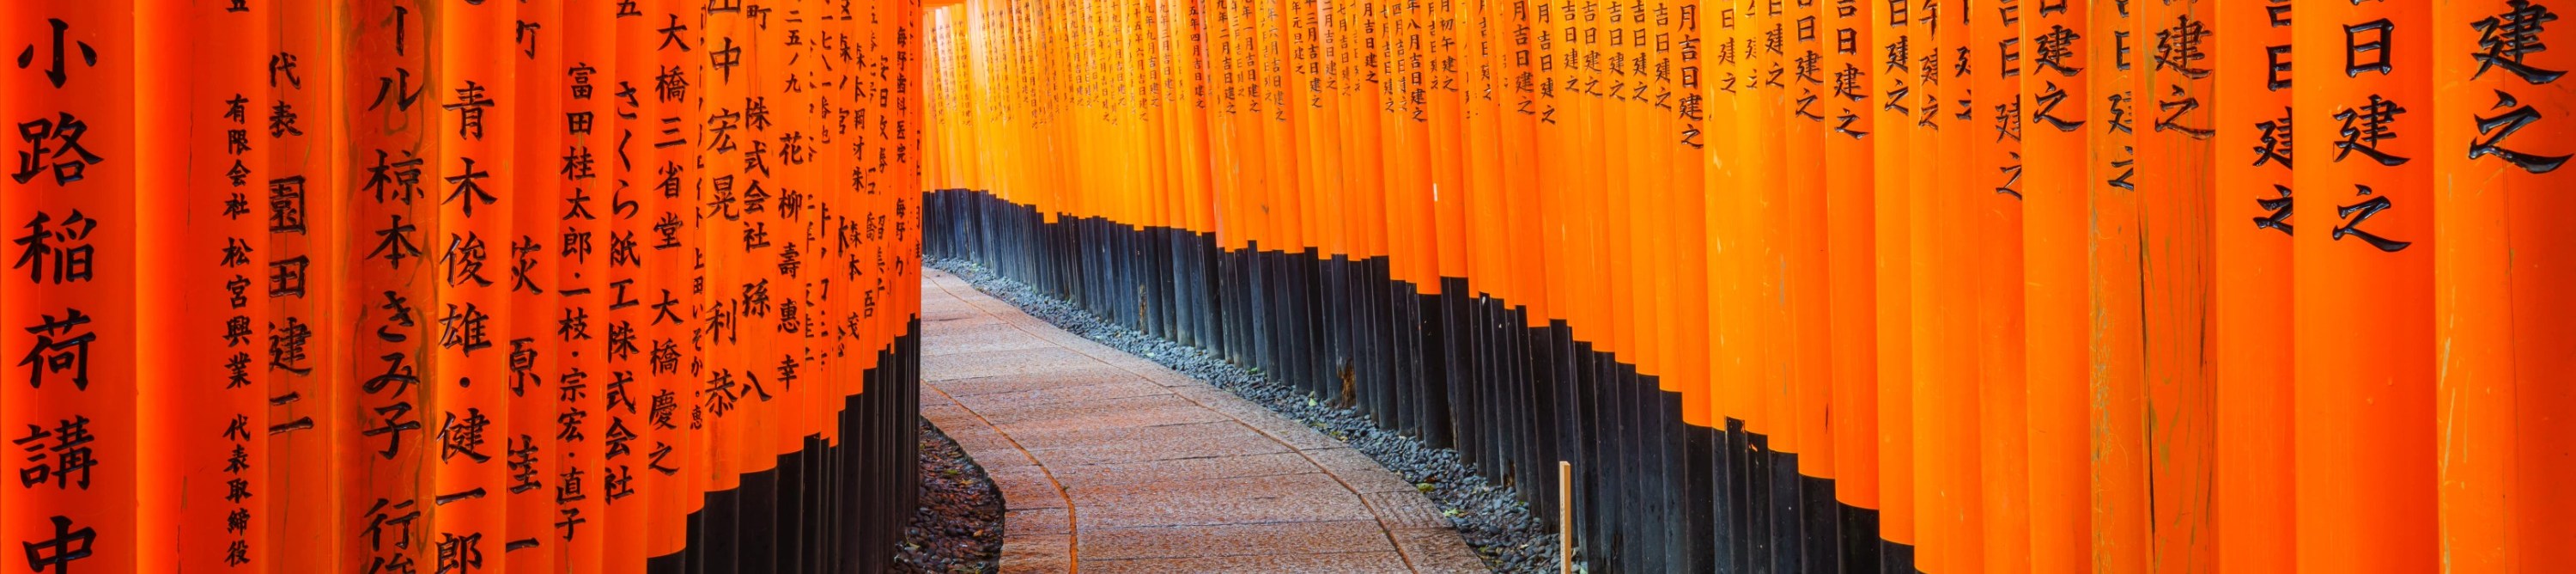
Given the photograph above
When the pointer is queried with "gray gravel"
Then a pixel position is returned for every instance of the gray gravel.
(1496, 524)
(959, 525)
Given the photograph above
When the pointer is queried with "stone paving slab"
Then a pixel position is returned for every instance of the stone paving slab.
(1234, 540)
(1064, 439)
(1186, 470)
(1353, 466)
(1224, 446)
(1350, 562)
(1061, 381)
(1038, 390)
(1108, 462)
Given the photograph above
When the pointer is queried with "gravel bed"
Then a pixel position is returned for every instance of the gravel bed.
(959, 525)
(1497, 525)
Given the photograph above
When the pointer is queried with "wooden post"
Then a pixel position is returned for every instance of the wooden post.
(1564, 516)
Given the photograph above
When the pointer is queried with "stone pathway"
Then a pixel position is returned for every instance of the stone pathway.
(1108, 462)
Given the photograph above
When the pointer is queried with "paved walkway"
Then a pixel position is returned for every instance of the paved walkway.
(1110, 463)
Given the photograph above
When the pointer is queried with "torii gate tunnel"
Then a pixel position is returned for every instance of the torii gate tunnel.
(1841, 285)
(631, 285)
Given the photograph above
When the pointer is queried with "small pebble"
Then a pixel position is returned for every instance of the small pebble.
(959, 525)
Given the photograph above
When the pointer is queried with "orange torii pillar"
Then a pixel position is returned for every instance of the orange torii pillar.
(1849, 69)
(673, 461)
(1995, 206)
(2054, 45)
(2502, 391)
(468, 416)
(69, 399)
(531, 453)
(632, 205)
(586, 94)
(2175, 141)
(311, 189)
(2250, 300)
(2114, 454)
(1949, 441)
(202, 401)
(1891, 38)
(2363, 358)
(388, 301)
(719, 209)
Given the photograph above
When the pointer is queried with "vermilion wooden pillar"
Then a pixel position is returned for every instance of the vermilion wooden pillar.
(1687, 136)
(468, 416)
(910, 155)
(1724, 30)
(1850, 70)
(586, 93)
(390, 162)
(779, 366)
(2363, 360)
(1892, 85)
(1548, 132)
(182, 414)
(2114, 298)
(1994, 203)
(2501, 388)
(1609, 235)
(670, 247)
(1801, 253)
(771, 404)
(712, 457)
(69, 400)
(1919, 65)
(631, 205)
(1269, 38)
(2250, 316)
(535, 354)
(211, 423)
(1759, 144)
(1481, 145)
(2055, 45)
(717, 205)
(307, 272)
(2176, 146)
(1625, 189)
(1961, 133)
